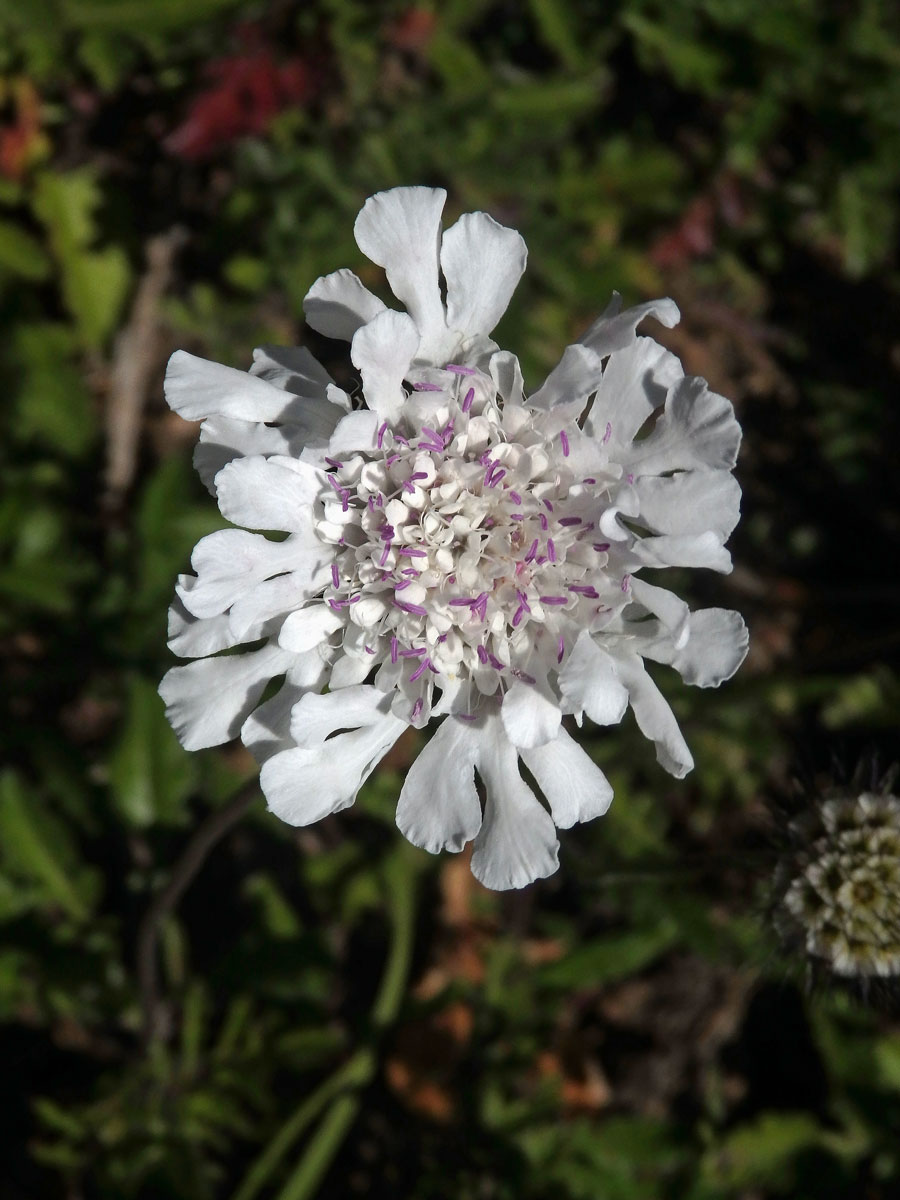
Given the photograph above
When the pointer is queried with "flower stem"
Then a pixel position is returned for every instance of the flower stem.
(339, 1094)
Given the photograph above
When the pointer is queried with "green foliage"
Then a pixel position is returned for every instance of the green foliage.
(326, 1012)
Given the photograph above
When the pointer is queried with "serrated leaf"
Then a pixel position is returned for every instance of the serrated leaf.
(21, 254)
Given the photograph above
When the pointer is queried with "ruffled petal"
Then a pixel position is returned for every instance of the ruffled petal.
(589, 682)
(671, 609)
(315, 718)
(223, 439)
(338, 304)
(575, 787)
(294, 370)
(701, 550)
(197, 388)
(273, 598)
(270, 493)
(517, 840)
(576, 375)
(208, 701)
(690, 502)
(528, 716)
(697, 428)
(309, 627)
(482, 262)
(382, 352)
(655, 718)
(634, 384)
(438, 807)
(716, 645)
(232, 562)
(304, 785)
(195, 637)
(400, 231)
(615, 330)
(507, 376)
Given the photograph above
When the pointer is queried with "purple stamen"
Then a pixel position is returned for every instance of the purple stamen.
(382, 429)
(336, 605)
(386, 532)
(458, 370)
(353, 600)
(371, 503)
(369, 650)
(411, 571)
(590, 479)
(345, 499)
(482, 654)
(532, 551)
(523, 600)
(600, 546)
(626, 580)
(523, 675)
(630, 477)
(414, 653)
(334, 483)
(495, 474)
(442, 638)
(404, 583)
(427, 387)
(495, 662)
(461, 602)
(335, 578)
(554, 599)
(542, 560)
(394, 647)
(401, 439)
(409, 487)
(560, 649)
(584, 590)
(384, 554)
(547, 505)
(412, 552)
(517, 516)
(515, 497)
(551, 550)
(447, 433)
(564, 442)
(418, 609)
(570, 520)
(391, 459)
(466, 717)
(333, 462)
(608, 433)
(544, 524)
(467, 403)
(416, 709)
(418, 672)
(419, 475)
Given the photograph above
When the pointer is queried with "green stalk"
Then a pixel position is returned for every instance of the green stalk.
(341, 1090)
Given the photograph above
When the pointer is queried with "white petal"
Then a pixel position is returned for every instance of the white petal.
(575, 376)
(265, 493)
(382, 352)
(671, 610)
(697, 428)
(338, 304)
(293, 369)
(357, 431)
(610, 333)
(195, 637)
(575, 787)
(197, 388)
(315, 718)
(716, 646)
(223, 439)
(273, 598)
(267, 731)
(529, 718)
(349, 670)
(690, 502)
(635, 383)
(438, 807)
(654, 717)
(208, 701)
(517, 840)
(305, 784)
(589, 683)
(482, 262)
(309, 627)
(507, 375)
(701, 550)
(400, 231)
(231, 562)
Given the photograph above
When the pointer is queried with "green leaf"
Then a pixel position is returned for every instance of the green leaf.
(151, 777)
(610, 958)
(38, 848)
(53, 404)
(761, 1154)
(21, 254)
(94, 282)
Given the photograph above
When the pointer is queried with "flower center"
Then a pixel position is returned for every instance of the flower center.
(468, 548)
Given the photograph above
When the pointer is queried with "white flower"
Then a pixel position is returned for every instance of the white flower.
(454, 548)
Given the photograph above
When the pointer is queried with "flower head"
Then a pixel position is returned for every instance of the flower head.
(838, 886)
(455, 549)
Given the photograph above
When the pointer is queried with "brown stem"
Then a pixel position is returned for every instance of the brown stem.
(207, 834)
